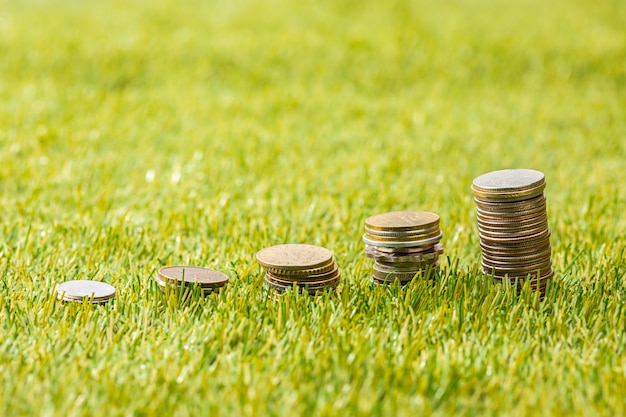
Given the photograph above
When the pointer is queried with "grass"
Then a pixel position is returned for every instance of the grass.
(146, 133)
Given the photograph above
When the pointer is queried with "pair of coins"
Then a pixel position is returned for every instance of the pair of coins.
(307, 268)
(181, 277)
(78, 291)
(513, 226)
(403, 244)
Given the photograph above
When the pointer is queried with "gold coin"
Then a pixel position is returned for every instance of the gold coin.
(296, 273)
(403, 244)
(511, 205)
(405, 238)
(204, 277)
(517, 214)
(402, 220)
(331, 280)
(403, 233)
(310, 290)
(176, 286)
(306, 278)
(509, 196)
(510, 223)
(294, 257)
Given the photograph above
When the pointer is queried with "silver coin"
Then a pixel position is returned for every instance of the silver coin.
(81, 289)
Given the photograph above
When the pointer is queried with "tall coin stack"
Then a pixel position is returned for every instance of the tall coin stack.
(308, 268)
(403, 244)
(513, 226)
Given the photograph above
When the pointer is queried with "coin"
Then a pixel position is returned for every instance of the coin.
(185, 277)
(510, 206)
(512, 234)
(403, 277)
(406, 251)
(332, 279)
(311, 272)
(509, 196)
(533, 279)
(306, 288)
(294, 257)
(515, 253)
(516, 273)
(516, 241)
(79, 290)
(509, 215)
(307, 267)
(405, 267)
(508, 180)
(193, 274)
(402, 220)
(402, 233)
(504, 223)
(391, 257)
(403, 244)
(516, 258)
(404, 238)
(513, 226)
(307, 278)
(405, 260)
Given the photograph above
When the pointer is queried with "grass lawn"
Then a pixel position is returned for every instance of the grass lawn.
(136, 134)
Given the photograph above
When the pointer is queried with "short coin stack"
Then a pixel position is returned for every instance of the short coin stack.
(77, 291)
(307, 267)
(513, 226)
(403, 244)
(176, 277)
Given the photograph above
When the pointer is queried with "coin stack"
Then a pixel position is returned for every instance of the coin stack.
(513, 226)
(307, 268)
(176, 277)
(77, 291)
(403, 244)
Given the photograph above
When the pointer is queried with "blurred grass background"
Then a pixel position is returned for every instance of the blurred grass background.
(136, 134)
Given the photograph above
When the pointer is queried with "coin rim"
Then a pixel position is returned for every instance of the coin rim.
(404, 244)
(300, 266)
(416, 226)
(477, 179)
(65, 293)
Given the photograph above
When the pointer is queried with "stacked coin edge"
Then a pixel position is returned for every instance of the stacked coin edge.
(208, 280)
(403, 245)
(513, 227)
(306, 268)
